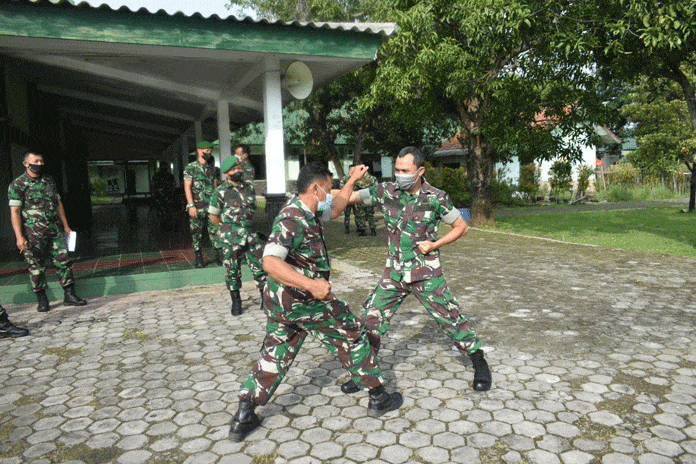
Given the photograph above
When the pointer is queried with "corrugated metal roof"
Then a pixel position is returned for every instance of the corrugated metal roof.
(384, 29)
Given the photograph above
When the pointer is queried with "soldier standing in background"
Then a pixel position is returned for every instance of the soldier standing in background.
(365, 214)
(349, 208)
(413, 210)
(232, 207)
(298, 301)
(242, 151)
(200, 179)
(40, 227)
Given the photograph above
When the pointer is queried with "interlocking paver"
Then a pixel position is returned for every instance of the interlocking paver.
(592, 353)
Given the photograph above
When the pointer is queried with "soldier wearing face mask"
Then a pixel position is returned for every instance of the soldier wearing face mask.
(200, 179)
(413, 210)
(231, 208)
(40, 227)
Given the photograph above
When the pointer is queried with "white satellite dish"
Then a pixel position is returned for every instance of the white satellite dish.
(298, 80)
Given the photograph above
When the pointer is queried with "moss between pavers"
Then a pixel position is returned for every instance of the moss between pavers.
(268, 458)
(64, 354)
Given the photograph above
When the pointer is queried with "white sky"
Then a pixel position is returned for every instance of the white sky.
(188, 7)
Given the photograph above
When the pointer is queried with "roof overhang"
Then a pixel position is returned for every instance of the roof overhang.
(139, 80)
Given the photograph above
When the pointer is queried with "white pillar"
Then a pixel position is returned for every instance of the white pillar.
(273, 123)
(223, 118)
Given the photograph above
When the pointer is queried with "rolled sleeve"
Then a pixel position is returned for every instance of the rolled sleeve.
(451, 216)
(14, 202)
(214, 211)
(273, 249)
(365, 197)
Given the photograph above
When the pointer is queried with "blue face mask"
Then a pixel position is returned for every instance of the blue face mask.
(326, 204)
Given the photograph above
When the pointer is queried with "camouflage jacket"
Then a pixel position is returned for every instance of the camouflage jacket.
(235, 204)
(248, 173)
(38, 199)
(297, 237)
(202, 178)
(411, 219)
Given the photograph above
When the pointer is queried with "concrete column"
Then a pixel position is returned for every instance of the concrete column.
(198, 129)
(274, 144)
(223, 119)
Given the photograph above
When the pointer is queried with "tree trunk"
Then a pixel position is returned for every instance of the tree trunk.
(357, 146)
(692, 193)
(480, 168)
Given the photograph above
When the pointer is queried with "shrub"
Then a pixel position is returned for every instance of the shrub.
(453, 181)
(529, 180)
(623, 174)
(560, 178)
(98, 187)
(584, 173)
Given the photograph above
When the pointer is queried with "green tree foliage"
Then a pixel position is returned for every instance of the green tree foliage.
(663, 130)
(584, 174)
(489, 66)
(529, 180)
(560, 178)
(630, 39)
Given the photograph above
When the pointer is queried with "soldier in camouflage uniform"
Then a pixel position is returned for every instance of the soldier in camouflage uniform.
(232, 207)
(40, 227)
(298, 300)
(363, 214)
(200, 179)
(413, 210)
(242, 151)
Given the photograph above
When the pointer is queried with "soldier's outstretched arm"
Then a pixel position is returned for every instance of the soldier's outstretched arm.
(281, 271)
(343, 196)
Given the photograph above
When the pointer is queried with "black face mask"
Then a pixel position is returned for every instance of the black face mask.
(208, 158)
(236, 177)
(36, 168)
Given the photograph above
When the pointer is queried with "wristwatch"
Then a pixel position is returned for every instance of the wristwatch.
(190, 205)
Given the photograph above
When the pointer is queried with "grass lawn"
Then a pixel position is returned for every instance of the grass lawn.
(660, 229)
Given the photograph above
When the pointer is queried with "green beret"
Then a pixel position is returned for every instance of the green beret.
(204, 145)
(229, 163)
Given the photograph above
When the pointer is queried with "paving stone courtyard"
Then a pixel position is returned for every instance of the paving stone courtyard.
(593, 354)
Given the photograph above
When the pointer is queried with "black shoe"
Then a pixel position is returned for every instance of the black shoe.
(382, 402)
(361, 232)
(482, 375)
(373, 231)
(199, 259)
(347, 230)
(350, 387)
(218, 256)
(43, 301)
(8, 329)
(70, 298)
(236, 309)
(245, 421)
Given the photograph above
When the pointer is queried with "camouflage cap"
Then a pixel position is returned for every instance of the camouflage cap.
(229, 163)
(204, 145)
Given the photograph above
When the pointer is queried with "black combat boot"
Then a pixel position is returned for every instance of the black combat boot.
(482, 375)
(236, 309)
(350, 387)
(218, 256)
(347, 229)
(382, 402)
(70, 298)
(199, 258)
(361, 232)
(8, 329)
(43, 301)
(373, 231)
(245, 421)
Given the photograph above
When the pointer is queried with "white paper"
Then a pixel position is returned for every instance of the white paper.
(72, 239)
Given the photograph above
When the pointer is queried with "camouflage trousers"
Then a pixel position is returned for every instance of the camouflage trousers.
(237, 249)
(364, 215)
(200, 224)
(433, 294)
(51, 246)
(330, 322)
(346, 215)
